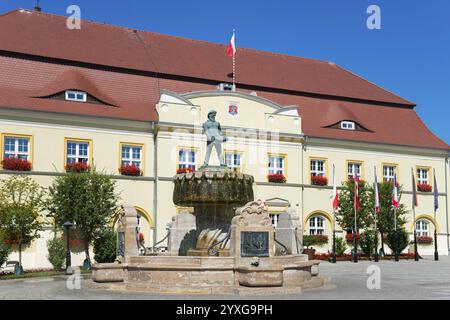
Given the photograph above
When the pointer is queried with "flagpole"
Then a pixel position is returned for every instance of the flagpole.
(396, 253)
(355, 243)
(234, 64)
(416, 254)
(375, 189)
(436, 195)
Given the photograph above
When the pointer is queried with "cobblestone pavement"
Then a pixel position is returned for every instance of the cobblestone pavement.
(425, 279)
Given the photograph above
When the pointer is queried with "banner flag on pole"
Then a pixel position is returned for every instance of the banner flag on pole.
(356, 198)
(231, 49)
(335, 194)
(377, 195)
(395, 193)
(436, 192)
(415, 202)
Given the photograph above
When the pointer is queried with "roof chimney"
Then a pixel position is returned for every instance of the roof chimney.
(38, 7)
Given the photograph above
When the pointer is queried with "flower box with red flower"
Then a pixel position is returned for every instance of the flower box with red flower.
(321, 239)
(78, 167)
(276, 178)
(141, 237)
(319, 180)
(185, 170)
(349, 237)
(424, 187)
(130, 170)
(16, 164)
(424, 240)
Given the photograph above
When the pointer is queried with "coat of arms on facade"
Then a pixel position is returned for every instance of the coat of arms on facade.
(233, 108)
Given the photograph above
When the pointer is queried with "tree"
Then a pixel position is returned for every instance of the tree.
(88, 199)
(345, 214)
(398, 240)
(20, 204)
(385, 218)
(105, 247)
(56, 253)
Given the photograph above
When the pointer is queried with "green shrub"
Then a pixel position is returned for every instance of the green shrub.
(341, 246)
(397, 240)
(5, 250)
(309, 240)
(367, 242)
(105, 247)
(56, 253)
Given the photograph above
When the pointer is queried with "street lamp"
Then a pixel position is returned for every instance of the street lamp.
(68, 225)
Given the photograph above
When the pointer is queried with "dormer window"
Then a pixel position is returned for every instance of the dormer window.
(347, 125)
(77, 96)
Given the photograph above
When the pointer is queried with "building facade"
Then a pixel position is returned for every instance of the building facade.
(109, 97)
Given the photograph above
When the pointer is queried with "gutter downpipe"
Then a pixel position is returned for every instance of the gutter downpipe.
(447, 162)
(303, 183)
(155, 183)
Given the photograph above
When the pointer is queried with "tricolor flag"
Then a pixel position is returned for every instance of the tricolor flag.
(231, 49)
(335, 194)
(395, 193)
(415, 202)
(436, 192)
(377, 194)
(356, 197)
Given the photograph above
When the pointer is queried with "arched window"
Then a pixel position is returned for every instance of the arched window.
(422, 228)
(316, 225)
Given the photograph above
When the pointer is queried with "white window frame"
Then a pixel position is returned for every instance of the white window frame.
(77, 155)
(348, 125)
(423, 175)
(233, 161)
(314, 167)
(389, 176)
(276, 164)
(16, 153)
(184, 161)
(131, 159)
(351, 166)
(77, 94)
(422, 228)
(317, 225)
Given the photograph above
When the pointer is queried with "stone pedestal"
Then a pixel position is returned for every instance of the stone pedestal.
(127, 228)
(289, 232)
(182, 235)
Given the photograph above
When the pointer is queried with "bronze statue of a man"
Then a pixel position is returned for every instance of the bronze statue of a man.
(214, 138)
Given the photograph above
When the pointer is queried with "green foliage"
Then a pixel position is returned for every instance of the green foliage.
(5, 250)
(345, 214)
(341, 246)
(56, 253)
(398, 240)
(88, 199)
(105, 247)
(20, 204)
(309, 240)
(385, 219)
(367, 242)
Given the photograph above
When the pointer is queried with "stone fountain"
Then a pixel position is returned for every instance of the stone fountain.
(229, 240)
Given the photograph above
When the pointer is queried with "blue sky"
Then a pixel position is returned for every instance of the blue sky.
(409, 56)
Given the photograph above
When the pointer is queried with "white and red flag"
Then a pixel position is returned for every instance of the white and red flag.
(377, 195)
(395, 195)
(356, 198)
(231, 49)
(335, 194)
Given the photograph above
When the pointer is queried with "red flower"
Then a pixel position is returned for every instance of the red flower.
(185, 170)
(321, 238)
(424, 239)
(78, 167)
(424, 187)
(130, 170)
(319, 180)
(349, 237)
(16, 164)
(141, 237)
(276, 178)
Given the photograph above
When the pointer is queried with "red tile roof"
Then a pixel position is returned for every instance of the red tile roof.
(132, 96)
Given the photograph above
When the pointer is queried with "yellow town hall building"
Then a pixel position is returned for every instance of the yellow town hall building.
(111, 96)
